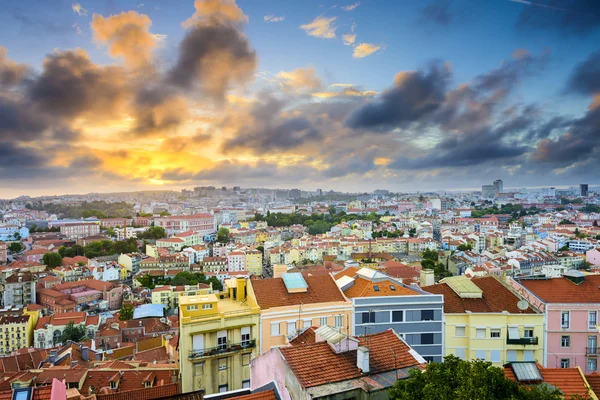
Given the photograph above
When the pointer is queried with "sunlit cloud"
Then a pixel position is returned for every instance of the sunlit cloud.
(321, 27)
(78, 9)
(299, 80)
(365, 49)
(350, 7)
(273, 18)
(350, 38)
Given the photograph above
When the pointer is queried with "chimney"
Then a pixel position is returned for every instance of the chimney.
(426, 277)
(362, 359)
(240, 288)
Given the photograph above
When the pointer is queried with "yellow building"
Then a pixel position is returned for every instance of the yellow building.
(169, 295)
(254, 262)
(484, 319)
(293, 303)
(218, 336)
(14, 334)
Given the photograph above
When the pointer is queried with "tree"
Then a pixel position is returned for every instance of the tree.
(565, 222)
(15, 247)
(428, 264)
(74, 333)
(223, 235)
(111, 232)
(456, 379)
(126, 312)
(52, 260)
(154, 232)
(464, 247)
(412, 232)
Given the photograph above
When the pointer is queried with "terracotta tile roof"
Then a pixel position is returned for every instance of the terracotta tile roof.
(157, 392)
(562, 290)
(570, 381)
(128, 379)
(159, 355)
(594, 381)
(317, 364)
(273, 293)
(71, 375)
(350, 271)
(366, 288)
(266, 395)
(496, 298)
(306, 337)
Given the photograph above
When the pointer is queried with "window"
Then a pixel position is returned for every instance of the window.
(198, 343)
(275, 329)
(246, 359)
(494, 333)
(113, 384)
(246, 384)
(460, 331)
(528, 355)
(306, 323)
(565, 363)
(511, 355)
(392, 287)
(222, 363)
(199, 369)
(461, 353)
(592, 345)
(565, 341)
(565, 319)
(426, 338)
(528, 333)
(426, 315)
(480, 333)
(192, 308)
(245, 331)
(495, 356)
(592, 319)
(323, 321)
(222, 388)
(338, 321)
(207, 306)
(222, 340)
(376, 288)
(480, 354)
(291, 328)
(397, 316)
(592, 364)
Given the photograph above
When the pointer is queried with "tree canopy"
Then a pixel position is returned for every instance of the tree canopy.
(182, 278)
(74, 333)
(15, 247)
(126, 312)
(97, 208)
(456, 379)
(153, 233)
(52, 260)
(223, 235)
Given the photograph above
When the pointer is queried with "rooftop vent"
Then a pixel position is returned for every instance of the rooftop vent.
(464, 287)
(577, 277)
(294, 282)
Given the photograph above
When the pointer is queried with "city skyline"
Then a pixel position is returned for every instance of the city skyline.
(355, 96)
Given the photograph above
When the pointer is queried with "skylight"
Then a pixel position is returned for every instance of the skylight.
(392, 287)
(376, 288)
(526, 372)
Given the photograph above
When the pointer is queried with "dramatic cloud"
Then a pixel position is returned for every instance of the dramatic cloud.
(351, 7)
(127, 35)
(11, 73)
(585, 78)
(78, 9)
(220, 11)
(344, 90)
(158, 110)
(414, 95)
(299, 80)
(273, 18)
(350, 38)
(321, 27)
(572, 17)
(365, 49)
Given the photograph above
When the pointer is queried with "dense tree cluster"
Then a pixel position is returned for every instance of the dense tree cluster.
(182, 278)
(430, 261)
(315, 223)
(97, 208)
(153, 233)
(74, 333)
(52, 260)
(515, 210)
(100, 249)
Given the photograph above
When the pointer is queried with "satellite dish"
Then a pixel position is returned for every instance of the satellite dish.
(523, 305)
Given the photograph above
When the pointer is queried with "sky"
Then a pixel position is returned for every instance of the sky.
(118, 95)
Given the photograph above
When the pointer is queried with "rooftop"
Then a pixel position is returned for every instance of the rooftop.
(562, 290)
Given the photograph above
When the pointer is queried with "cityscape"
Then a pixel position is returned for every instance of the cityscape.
(232, 199)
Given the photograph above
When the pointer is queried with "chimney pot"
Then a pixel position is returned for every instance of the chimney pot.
(362, 359)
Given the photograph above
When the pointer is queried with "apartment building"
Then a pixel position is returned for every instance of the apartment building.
(215, 264)
(571, 304)
(293, 303)
(13, 333)
(236, 261)
(131, 262)
(380, 303)
(19, 290)
(218, 338)
(48, 330)
(78, 230)
(254, 262)
(200, 223)
(169, 295)
(486, 320)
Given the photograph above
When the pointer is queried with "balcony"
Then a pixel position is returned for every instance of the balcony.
(228, 348)
(591, 351)
(523, 341)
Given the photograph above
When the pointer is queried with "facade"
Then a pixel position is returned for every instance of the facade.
(131, 262)
(169, 295)
(593, 256)
(200, 223)
(48, 330)
(571, 304)
(78, 230)
(294, 302)
(236, 261)
(3, 253)
(381, 303)
(115, 222)
(19, 290)
(105, 270)
(215, 264)
(254, 261)
(218, 338)
(13, 333)
(483, 320)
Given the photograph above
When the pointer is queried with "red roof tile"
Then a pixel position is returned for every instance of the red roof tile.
(273, 293)
(570, 381)
(306, 337)
(266, 395)
(562, 290)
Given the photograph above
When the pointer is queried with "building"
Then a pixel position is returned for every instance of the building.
(593, 256)
(380, 303)
(78, 230)
(3, 253)
(583, 190)
(571, 304)
(488, 191)
(236, 261)
(19, 290)
(169, 295)
(131, 262)
(48, 330)
(115, 222)
(215, 264)
(325, 363)
(293, 302)
(499, 186)
(200, 223)
(13, 333)
(254, 262)
(218, 336)
(106, 270)
(484, 319)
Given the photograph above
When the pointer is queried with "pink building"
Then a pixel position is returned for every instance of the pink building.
(34, 255)
(115, 222)
(201, 223)
(571, 304)
(593, 256)
(236, 261)
(80, 230)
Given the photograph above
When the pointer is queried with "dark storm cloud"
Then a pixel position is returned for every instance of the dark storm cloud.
(585, 78)
(437, 12)
(157, 108)
(579, 17)
(17, 122)
(211, 59)
(11, 73)
(413, 96)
